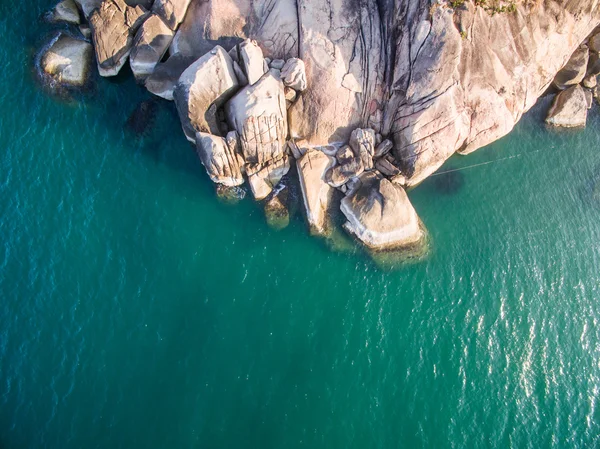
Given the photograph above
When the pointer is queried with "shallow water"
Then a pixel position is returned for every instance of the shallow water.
(139, 311)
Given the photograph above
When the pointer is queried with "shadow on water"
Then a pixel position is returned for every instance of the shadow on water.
(448, 182)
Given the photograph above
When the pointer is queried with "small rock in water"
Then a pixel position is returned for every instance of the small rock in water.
(448, 183)
(142, 117)
(230, 195)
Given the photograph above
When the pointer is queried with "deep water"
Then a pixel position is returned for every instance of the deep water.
(138, 311)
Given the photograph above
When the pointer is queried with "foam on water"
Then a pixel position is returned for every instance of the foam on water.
(139, 311)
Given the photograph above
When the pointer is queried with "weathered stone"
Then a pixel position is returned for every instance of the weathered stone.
(297, 148)
(114, 25)
(594, 42)
(202, 88)
(590, 81)
(317, 194)
(362, 142)
(67, 60)
(221, 158)
(171, 11)
(277, 64)
(589, 98)
(163, 80)
(251, 60)
(150, 45)
(258, 114)
(593, 68)
(344, 155)
(575, 70)
(263, 178)
(293, 74)
(65, 11)
(85, 31)
(340, 174)
(290, 94)
(385, 166)
(569, 109)
(88, 6)
(383, 148)
(380, 215)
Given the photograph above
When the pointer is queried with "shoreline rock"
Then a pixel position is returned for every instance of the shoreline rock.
(67, 60)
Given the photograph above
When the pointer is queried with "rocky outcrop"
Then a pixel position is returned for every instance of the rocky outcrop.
(569, 109)
(150, 44)
(221, 158)
(202, 88)
(258, 114)
(114, 25)
(316, 193)
(251, 61)
(67, 60)
(380, 215)
(171, 12)
(163, 79)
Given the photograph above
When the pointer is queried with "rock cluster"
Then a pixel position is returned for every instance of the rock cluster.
(576, 81)
(364, 99)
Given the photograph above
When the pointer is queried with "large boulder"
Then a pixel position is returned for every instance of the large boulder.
(569, 109)
(68, 60)
(65, 11)
(88, 6)
(251, 60)
(171, 11)
(575, 70)
(258, 114)
(380, 215)
(203, 88)
(316, 193)
(114, 25)
(166, 74)
(221, 158)
(150, 45)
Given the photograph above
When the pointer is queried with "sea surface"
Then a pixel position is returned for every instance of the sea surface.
(138, 311)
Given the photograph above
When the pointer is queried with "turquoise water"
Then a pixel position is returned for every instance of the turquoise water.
(138, 311)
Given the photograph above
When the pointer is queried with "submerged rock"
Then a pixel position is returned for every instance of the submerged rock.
(230, 195)
(569, 109)
(276, 208)
(114, 25)
(316, 193)
(143, 117)
(202, 88)
(380, 215)
(68, 60)
(150, 44)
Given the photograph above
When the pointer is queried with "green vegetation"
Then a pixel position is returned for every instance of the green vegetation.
(492, 7)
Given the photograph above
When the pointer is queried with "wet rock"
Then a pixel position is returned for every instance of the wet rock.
(171, 11)
(67, 60)
(316, 193)
(569, 109)
(65, 11)
(251, 60)
(221, 158)
(362, 142)
(202, 88)
(293, 74)
(150, 45)
(574, 71)
(276, 208)
(114, 25)
(380, 215)
(166, 74)
(143, 117)
(230, 195)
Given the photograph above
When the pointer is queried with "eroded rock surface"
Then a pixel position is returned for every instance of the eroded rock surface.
(151, 43)
(202, 88)
(67, 60)
(171, 11)
(163, 79)
(221, 158)
(114, 25)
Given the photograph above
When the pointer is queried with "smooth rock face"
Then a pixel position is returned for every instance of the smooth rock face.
(114, 25)
(165, 76)
(575, 70)
(202, 88)
(68, 60)
(380, 215)
(317, 194)
(66, 11)
(258, 114)
(251, 60)
(221, 158)
(569, 109)
(150, 44)
(171, 11)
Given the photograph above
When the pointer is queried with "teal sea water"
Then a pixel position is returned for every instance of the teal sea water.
(137, 311)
